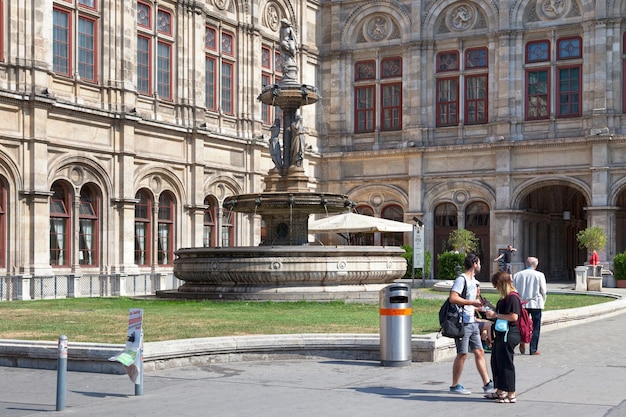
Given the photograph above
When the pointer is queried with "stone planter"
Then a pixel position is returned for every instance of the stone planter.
(594, 283)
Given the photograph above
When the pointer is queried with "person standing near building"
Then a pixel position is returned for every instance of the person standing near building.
(507, 255)
(464, 293)
(508, 309)
(531, 286)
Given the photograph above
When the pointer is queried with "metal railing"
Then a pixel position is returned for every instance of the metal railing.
(28, 287)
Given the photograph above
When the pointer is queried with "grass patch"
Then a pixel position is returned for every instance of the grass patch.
(104, 320)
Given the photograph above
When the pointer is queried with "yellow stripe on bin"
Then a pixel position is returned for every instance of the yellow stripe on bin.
(396, 311)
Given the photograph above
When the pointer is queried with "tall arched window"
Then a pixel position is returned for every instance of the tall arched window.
(60, 222)
(167, 215)
(228, 229)
(446, 220)
(477, 221)
(363, 239)
(88, 235)
(393, 212)
(208, 229)
(143, 226)
(3, 219)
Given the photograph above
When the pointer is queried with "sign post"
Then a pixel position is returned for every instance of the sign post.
(132, 355)
(418, 251)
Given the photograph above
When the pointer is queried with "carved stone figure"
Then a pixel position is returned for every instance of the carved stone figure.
(297, 141)
(289, 46)
(275, 150)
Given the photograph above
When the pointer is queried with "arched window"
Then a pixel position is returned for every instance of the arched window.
(165, 242)
(143, 226)
(60, 221)
(476, 214)
(446, 221)
(446, 215)
(228, 228)
(88, 235)
(208, 230)
(393, 212)
(364, 210)
(363, 239)
(3, 220)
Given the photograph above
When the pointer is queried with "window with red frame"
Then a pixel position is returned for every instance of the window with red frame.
(372, 84)
(3, 222)
(88, 223)
(363, 239)
(219, 70)
(271, 64)
(75, 50)
(208, 230)
(395, 213)
(60, 223)
(228, 229)
(143, 227)
(566, 88)
(154, 40)
(471, 74)
(165, 229)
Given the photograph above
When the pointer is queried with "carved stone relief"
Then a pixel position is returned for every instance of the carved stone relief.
(553, 9)
(461, 18)
(272, 16)
(378, 28)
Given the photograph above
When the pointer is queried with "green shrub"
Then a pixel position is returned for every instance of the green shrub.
(448, 263)
(463, 240)
(619, 266)
(591, 238)
(408, 255)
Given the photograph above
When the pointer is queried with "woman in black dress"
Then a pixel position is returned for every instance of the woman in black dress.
(508, 308)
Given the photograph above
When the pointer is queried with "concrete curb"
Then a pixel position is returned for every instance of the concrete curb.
(91, 357)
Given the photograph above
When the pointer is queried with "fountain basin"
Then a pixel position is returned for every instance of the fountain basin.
(289, 95)
(285, 272)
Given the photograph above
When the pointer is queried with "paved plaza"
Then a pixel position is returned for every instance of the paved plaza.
(580, 373)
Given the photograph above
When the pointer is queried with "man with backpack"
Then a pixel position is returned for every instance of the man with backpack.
(464, 294)
(531, 286)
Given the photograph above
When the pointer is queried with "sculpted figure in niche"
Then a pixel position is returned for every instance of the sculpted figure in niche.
(297, 141)
(275, 151)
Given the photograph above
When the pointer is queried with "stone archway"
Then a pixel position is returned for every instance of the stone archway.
(551, 216)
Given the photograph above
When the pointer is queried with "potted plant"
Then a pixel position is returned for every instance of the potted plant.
(619, 269)
(463, 241)
(593, 239)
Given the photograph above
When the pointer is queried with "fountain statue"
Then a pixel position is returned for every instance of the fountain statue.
(284, 265)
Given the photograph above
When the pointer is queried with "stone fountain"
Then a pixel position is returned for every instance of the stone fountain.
(284, 266)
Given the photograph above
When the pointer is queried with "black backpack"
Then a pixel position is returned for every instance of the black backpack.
(450, 318)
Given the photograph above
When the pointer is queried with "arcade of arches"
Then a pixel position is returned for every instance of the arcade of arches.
(545, 225)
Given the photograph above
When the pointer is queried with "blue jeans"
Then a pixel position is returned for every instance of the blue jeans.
(535, 314)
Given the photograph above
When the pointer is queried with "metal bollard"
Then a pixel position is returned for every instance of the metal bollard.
(139, 383)
(62, 373)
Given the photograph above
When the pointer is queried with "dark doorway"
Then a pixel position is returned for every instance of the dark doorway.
(552, 217)
(477, 221)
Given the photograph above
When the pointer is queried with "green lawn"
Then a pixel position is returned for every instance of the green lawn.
(104, 320)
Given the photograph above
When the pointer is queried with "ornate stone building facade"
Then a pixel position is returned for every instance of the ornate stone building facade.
(504, 118)
(127, 124)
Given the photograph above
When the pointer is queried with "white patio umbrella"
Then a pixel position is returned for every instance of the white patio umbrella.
(355, 223)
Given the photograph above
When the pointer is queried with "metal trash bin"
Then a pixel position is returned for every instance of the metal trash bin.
(395, 325)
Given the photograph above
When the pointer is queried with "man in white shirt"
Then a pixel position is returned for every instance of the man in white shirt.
(531, 286)
(463, 293)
